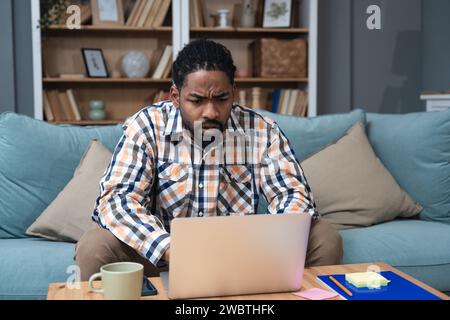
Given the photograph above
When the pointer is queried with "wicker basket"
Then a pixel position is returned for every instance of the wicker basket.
(275, 58)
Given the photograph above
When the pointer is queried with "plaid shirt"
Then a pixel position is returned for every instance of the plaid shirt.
(158, 173)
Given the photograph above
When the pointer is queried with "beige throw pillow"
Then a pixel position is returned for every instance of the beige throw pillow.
(69, 215)
(351, 187)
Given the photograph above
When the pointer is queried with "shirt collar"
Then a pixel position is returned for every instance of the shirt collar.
(174, 123)
(233, 124)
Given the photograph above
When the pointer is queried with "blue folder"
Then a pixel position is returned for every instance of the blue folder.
(398, 289)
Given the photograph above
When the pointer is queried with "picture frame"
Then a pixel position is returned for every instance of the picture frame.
(107, 13)
(277, 14)
(95, 63)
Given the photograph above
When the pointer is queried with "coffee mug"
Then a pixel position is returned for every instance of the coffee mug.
(120, 281)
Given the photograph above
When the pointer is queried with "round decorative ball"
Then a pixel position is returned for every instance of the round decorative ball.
(135, 64)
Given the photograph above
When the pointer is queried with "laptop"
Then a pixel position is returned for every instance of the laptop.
(236, 255)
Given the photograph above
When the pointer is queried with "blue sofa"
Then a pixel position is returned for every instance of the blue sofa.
(38, 159)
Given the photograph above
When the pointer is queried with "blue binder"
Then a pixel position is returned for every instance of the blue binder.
(398, 289)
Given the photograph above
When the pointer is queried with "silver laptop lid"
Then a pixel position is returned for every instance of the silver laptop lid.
(234, 255)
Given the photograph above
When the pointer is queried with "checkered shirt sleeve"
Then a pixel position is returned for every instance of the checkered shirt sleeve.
(123, 190)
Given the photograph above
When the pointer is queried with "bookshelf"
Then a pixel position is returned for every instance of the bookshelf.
(60, 50)
(238, 39)
(63, 67)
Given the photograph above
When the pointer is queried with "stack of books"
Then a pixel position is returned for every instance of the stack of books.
(199, 14)
(148, 13)
(60, 106)
(290, 102)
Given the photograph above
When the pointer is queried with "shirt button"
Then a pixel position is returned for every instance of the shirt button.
(200, 214)
(200, 185)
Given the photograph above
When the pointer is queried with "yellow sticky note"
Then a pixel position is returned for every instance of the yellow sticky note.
(371, 280)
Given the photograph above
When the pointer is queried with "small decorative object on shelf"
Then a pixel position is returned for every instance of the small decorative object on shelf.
(277, 13)
(97, 110)
(95, 63)
(223, 18)
(135, 64)
(248, 14)
(107, 12)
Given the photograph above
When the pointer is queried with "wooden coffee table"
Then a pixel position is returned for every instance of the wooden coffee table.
(58, 291)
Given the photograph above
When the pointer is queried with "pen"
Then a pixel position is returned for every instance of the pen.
(341, 286)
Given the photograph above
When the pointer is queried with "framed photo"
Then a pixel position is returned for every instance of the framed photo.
(277, 13)
(107, 12)
(95, 63)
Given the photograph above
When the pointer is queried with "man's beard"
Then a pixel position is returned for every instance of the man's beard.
(206, 137)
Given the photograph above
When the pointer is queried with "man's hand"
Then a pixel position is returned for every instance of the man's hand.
(166, 256)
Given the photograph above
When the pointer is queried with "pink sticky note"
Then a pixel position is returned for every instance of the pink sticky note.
(316, 294)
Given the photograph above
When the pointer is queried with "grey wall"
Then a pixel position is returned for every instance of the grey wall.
(7, 91)
(16, 57)
(376, 70)
(334, 56)
(436, 44)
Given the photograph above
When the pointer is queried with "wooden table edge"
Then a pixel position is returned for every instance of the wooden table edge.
(312, 272)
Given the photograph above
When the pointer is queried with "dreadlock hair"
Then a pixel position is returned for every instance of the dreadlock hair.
(202, 54)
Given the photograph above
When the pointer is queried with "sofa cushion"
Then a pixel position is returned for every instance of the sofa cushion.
(420, 248)
(309, 135)
(351, 187)
(37, 160)
(415, 148)
(68, 217)
(30, 264)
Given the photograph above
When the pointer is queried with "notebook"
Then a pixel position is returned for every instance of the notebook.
(398, 289)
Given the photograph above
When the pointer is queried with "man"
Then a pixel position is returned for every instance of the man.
(197, 155)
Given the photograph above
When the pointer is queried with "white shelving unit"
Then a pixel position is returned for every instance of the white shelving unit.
(181, 36)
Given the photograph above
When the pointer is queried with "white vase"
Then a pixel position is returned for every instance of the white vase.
(248, 14)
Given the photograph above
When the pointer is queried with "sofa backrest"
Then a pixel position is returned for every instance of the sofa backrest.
(415, 148)
(37, 160)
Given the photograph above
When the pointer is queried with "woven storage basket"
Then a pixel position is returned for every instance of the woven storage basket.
(275, 58)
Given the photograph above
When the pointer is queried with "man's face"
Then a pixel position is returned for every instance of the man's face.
(206, 97)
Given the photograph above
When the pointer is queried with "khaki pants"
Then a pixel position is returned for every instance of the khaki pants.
(99, 246)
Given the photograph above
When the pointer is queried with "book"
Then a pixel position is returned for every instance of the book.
(304, 104)
(145, 13)
(134, 13)
(135, 21)
(55, 105)
(152, 14)
(162, 13)
(292, 101)
(166, 56)
(47, 110)
(167, 70)
(73, 105)
(398, 288)
(207, 21)
(193, 21)
(285, 101)
(65, 104)
(275, 100)
(71, 76)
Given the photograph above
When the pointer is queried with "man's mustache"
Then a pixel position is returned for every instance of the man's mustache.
(212, 124)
